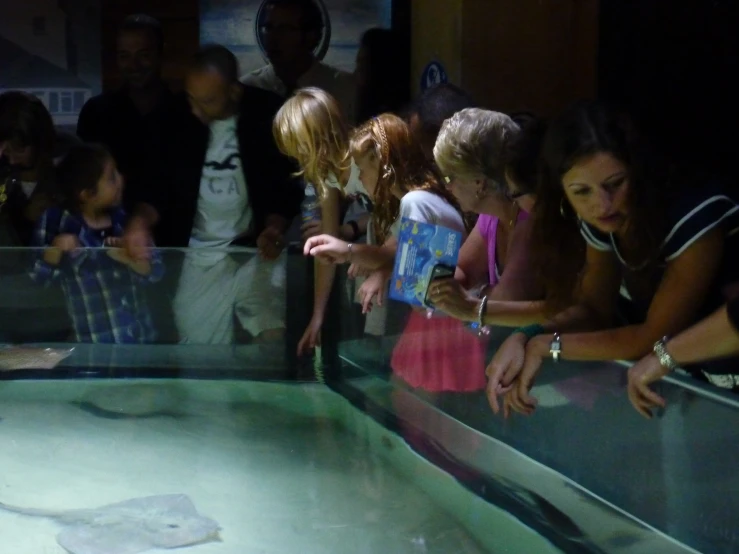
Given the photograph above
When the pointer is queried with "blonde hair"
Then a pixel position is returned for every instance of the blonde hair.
(403, 167)
(310, 128)
(471, 145)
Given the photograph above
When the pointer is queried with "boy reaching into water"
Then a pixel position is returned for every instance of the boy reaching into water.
(101, 286)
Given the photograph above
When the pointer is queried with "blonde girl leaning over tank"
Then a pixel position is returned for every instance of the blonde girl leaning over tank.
(437, 354)
(311, 129)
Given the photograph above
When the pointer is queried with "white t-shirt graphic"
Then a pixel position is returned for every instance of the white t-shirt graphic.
(223, 210)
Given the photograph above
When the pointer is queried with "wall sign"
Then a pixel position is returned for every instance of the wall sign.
(433, 74)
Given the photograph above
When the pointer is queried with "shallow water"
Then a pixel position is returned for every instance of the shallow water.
(279, 469)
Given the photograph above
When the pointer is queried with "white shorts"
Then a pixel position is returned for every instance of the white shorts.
(213, 287)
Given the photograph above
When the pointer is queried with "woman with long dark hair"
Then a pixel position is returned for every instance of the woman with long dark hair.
(658, 250)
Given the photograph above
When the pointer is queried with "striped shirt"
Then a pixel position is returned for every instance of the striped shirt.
(691, 216)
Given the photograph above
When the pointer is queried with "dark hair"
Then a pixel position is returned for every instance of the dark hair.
(521, 152)
(79, 171)
(585, 129)
(143, 23)
(220, 58)
(387, 88)
(25, 121)
(310, 14)
(438, 103)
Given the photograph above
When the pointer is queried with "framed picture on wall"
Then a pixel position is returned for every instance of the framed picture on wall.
(236, 24)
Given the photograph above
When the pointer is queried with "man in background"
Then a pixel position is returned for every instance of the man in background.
(229, 186)
(135, 121)
(291, 32)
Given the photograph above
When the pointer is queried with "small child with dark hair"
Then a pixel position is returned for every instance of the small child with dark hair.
(101, 285)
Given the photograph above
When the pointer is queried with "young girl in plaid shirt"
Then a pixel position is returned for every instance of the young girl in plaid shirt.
(101, 283)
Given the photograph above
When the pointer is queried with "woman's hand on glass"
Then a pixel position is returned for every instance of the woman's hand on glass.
(518, 398)
(643, 373)
(448, 296)
(508, 360)
(327, 249)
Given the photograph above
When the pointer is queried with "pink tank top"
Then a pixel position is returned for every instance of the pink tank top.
(487, 226)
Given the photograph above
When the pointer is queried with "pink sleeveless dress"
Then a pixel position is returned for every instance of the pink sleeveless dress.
(440, 354)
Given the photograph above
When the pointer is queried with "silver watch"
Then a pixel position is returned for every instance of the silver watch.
(555, 348)
(663, 356)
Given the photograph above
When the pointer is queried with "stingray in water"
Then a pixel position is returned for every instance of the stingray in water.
(130, 527)
(137, 401)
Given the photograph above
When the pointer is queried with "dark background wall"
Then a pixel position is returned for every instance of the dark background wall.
(528, 54)
(674, 65)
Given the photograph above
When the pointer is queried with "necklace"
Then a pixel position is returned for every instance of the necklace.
(627, 265)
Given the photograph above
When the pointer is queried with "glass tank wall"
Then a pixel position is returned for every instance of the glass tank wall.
(244, 446)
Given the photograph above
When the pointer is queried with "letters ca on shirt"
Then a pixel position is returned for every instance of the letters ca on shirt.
(223, 206)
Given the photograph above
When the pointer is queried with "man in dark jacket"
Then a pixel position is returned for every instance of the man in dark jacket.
(136, 121)
(227, 185)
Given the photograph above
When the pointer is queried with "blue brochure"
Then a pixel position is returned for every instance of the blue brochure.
(426, 252)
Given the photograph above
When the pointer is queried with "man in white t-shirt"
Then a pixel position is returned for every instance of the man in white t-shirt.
(230, 186)
(224, 211)
(291, 32)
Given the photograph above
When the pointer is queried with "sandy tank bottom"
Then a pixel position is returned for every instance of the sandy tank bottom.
(276, 465)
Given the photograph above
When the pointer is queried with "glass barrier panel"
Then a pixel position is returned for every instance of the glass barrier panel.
(592, 469)
(178, 380)
(225, 310)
